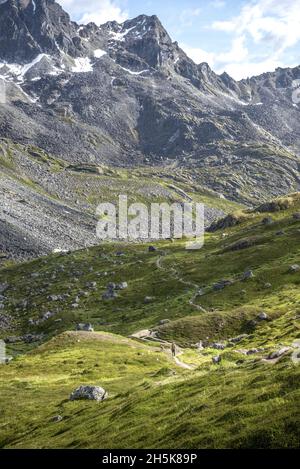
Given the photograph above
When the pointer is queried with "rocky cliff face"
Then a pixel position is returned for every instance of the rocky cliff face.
(29, 28)
(129, 82)
(125, 95)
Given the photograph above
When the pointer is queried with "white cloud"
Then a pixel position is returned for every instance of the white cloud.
(237, 53)
(267, 24)
(248, 69)
(267, 20)
(97, 11)
(199, 55)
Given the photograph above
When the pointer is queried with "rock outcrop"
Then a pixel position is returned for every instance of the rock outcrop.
(92, 393)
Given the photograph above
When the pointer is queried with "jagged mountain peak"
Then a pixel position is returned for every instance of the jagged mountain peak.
(143, 36)
(87, 96)
(143, 23)
(31, 27)
(145, 26)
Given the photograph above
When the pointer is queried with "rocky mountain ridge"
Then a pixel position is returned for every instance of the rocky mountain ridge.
(126, 96)
(192, 110)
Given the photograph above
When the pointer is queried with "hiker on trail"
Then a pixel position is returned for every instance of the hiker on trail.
(173, 349)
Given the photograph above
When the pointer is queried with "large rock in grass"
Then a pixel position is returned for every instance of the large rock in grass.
(109, 295)
(3, 287)
(268, 221)
(262, 316)
(218, 346)
(279, 353)
(247, 275)
(217, 360)
(90, 393)
(236, 340)
(243, 244)
(122, 286)
(85, 327)
(221, 284)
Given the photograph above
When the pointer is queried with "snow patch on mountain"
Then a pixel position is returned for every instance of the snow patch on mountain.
(19, 71)
(82, 65)
(134, 73)
(120, 36)
(99, 53)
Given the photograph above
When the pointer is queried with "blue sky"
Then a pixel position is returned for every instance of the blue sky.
(242, 37)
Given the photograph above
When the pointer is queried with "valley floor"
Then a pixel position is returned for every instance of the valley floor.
(232, 308)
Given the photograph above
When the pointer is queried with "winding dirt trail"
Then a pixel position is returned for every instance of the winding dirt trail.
(175, 274)
(183, 365)
(147, 336)
(106, 337)
(166, 347)
(179, 362)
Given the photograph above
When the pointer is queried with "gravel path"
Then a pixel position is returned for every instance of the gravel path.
(175, 274)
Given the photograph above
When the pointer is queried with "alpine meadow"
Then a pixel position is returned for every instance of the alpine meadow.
(115, 332)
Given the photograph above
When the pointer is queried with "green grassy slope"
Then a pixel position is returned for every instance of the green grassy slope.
(245, 401)
(157, 275)
(152, 403)
(91, 184)
(36, 387)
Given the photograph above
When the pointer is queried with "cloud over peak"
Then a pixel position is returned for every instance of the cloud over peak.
(96, 11)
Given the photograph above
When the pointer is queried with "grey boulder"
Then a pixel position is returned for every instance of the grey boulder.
(91, 393)
(217, 360)
(3, 287)
(279, 353)
(85, 327)
(218, 346)
(262, 316)
(247, 275)
(122, 286)
(221, 285)
(164, 321)
(109, 295)
(267, 221)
